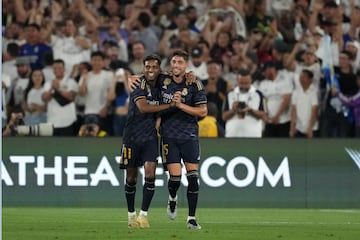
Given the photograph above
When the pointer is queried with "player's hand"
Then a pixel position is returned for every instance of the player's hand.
(177, 97)
(190, 78)
(134, 82)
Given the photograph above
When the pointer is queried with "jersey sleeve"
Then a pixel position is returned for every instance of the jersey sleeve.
(140, 91)
(200, 96)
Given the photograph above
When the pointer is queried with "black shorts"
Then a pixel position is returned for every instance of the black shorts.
(135, 155)
(176, 149)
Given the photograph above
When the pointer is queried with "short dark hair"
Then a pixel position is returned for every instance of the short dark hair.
(180, 53)
(203, 41)
(144, 19)
(217, 62)
(152, 57)
(34, 25)
(59, 61)
(98, 54)
(138, 42)
(244, 72)
(13, 49)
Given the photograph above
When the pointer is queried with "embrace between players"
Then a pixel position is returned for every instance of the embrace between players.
(170, 104)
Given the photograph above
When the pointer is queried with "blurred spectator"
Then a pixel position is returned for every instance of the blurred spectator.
(216, 87)
(33, 105)
(353, 47)
(208, 126)
(5, 84)
(14, 33)
(9, 60)
(304, 109)
(310, 62)
(221, 49)
(197, 63)
(257, 18)
(205, 49)
(121, 103)
(336, 122)
(15, 93)
(138, 53)
(8, 15)
(236, 63)
(180, 35)
(48, 70)
(91, 127)
(353, 103)
(59, 95)
(70, 46)
(78, 71)
(112, 52)
(94, 86)
(192, 16)
(166, 13)
(244, 111)
(8, 130)
(277, 89)
(114, 32)
(145, 34)
(34, 48)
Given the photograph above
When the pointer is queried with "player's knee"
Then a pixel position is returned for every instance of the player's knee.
(193, 185)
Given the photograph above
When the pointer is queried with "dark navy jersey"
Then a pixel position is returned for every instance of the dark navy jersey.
(176, 123)
(35, 53)
(140, 127)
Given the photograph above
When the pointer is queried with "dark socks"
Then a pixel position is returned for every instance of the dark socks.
(148, 193)
(173, 185)
(192, 191)
(130, 190)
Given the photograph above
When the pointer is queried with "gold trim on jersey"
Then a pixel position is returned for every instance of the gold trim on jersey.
(139, 97)
(199, 85)
(143, 84)
(202, 102)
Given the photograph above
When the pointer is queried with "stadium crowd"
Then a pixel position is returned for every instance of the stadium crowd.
(261, 62)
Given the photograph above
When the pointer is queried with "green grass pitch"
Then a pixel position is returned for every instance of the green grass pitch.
(20, 223)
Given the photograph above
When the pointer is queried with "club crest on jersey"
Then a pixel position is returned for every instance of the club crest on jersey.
(167, 81)
(184, 92)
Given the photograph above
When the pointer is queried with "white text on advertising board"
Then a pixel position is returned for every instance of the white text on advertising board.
(73, 171)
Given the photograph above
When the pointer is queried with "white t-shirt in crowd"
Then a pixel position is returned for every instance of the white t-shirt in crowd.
(19, 90)
(273, 92)
(34, 96)
(62, 116)
(315, 69)
(304, 101)
(97, 91)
